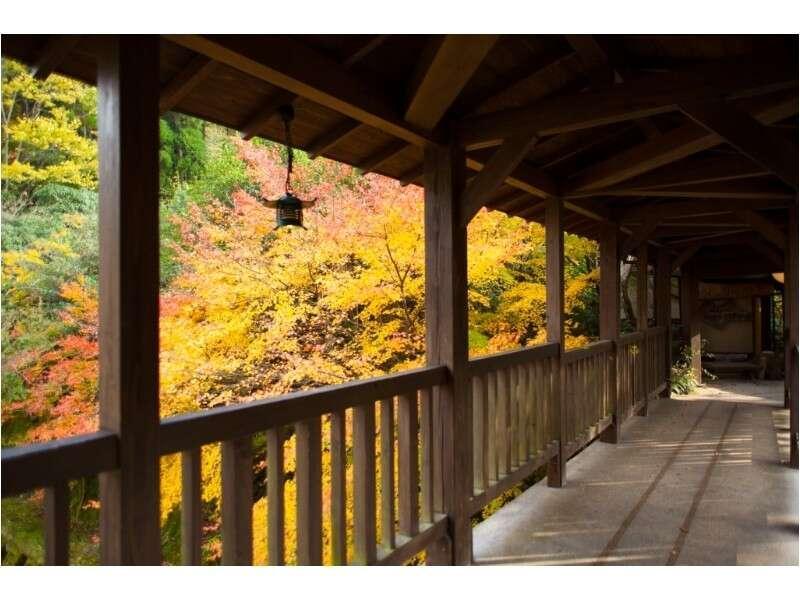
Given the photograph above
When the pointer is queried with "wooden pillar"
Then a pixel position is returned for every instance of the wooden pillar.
(609, 316)
(446, 343)
(554, 240)
(127, 111)
(758, 336)
(663, 298)
(791, 323)
(691, 317)
(642, 304)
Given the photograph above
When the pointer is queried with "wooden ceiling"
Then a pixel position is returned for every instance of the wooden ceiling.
(675, 138)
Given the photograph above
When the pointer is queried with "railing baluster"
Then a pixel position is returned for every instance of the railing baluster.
(56, 524)
(309, 491)
(387, 474)
(491, 426)
(522, 427)
(237, 502)
(503, 447)
(478, 434)
(276, 509)
(191, 506)
(426, 446)
(338, 490)
(533, 418)
(407, 465)
(513, 414)
(364, 551)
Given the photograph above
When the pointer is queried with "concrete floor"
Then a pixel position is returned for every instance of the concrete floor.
(700, 481)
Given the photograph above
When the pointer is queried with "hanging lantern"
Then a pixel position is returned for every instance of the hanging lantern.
(289, 208)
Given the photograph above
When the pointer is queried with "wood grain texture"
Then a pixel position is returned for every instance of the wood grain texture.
(56, 524)
(128, 143)
(364, 534)
(237, 502)
(338, 489)
(446, 334)
(309, 491)
(191, 507)
(276, 503)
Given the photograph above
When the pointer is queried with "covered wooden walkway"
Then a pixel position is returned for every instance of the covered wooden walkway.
(700, 482)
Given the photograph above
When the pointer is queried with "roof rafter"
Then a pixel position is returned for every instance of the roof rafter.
(196, 70)
(762, 144)
(500, 166)
(446, 67)
(672, 146)
(283, 61)
(642, 97)
(52, 54)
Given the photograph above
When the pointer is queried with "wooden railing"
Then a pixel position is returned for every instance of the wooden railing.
(517, 419)
(588, 409)
(656, 358)
(406, 423)
(630, 369)
(513, 428)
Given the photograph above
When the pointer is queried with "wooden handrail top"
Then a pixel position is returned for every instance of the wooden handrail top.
(41, 465)
(630, 338)
(192, 430)
(511, 358)
(587, 351)
(658, 329)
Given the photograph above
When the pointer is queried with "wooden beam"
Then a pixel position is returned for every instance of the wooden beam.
(641, 235)
(606, 63)
(497, 169)
(762, 144)
(766, 228)
(285, 62)
(259, 119)
(752, 189)
(642, 97)
(699, 207)
(360, 52)
(380, 156)
(195, 71)
(684, 256)
(792, 337)
(256, 122)
(446, 344)
(707, 169)
(670, 147)
(52, 54)
(411, 175)
(446, 67)
(328, 139)
(127, 110)
(662, 294)
(524, 177)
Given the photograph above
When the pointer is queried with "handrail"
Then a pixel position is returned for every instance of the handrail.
(41, 465)
(511, 358)
(656, 330)
(630, 338)
(192, 430)
(576, 354)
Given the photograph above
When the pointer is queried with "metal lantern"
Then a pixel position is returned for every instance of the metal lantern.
(289, 208)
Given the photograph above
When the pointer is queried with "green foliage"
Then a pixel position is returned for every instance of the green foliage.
(182, 151)
(681, 378)
(224, 173)
(48, 134)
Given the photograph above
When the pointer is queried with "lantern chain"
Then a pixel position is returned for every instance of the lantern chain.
(287, 113)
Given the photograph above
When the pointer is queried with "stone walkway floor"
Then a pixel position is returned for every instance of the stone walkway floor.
(702, 480)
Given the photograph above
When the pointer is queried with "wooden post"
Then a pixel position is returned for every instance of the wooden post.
(127, 110)
(690, 316)
(446, 342)
(758, 337)
(663, 298)
(642, 305)
(791, 318)
(609, 319)
(554, 240)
